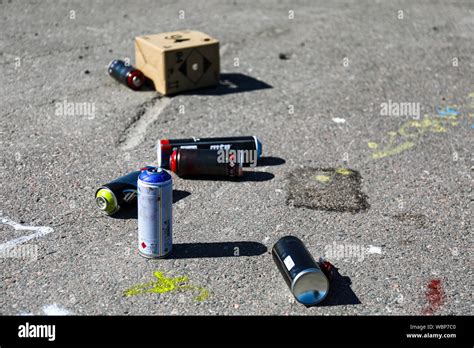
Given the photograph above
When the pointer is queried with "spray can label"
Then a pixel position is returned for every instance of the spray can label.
(155, 199)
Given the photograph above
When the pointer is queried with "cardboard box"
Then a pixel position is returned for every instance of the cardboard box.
(178, 61)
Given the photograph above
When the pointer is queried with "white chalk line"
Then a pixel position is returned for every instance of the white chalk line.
(138, 131)
(40, 231)
(223, 49)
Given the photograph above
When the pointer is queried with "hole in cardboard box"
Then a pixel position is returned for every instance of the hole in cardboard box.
(177, 38)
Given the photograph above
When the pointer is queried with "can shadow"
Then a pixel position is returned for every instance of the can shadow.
(256, 176)
(230, 83)
(270, 161)
(148, 86)
(217, 249)
(132, 212)
(247, 176)
(179, 195)
(340, 292)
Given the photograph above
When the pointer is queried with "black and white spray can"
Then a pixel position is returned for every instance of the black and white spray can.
(303, 275)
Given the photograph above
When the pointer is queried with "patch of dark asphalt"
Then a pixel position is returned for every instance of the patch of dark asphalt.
(330, 189)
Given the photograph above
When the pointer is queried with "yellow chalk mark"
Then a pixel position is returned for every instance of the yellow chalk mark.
(404, 130)
(438, 129)
(412, 129)
(322, 178)
(427, 122)
(163, 284)
(343, 171)
(396, 150)
(449, 117)
(203, 294)
(372, 145)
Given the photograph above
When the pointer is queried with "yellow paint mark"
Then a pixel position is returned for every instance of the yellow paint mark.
(438, 129)
(322, 178)
(343, 171)
(412, 129)
(449, 117)
(396, 150)
(163, 284)
(428, 122)
(203, 294)
(372, 145)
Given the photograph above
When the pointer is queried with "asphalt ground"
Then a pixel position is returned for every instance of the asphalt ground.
(386, 198)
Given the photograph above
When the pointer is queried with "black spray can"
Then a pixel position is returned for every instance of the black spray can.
(201, 162)
(302, 273)
(118, 194)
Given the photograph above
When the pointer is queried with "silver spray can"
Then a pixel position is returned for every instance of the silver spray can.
(155, 202)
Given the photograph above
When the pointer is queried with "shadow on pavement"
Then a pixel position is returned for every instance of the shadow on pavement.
(247, 176)
(148, 86)
(270, 161)
(216, 249)
(340, 292)
(179, 195)
(231, 83)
